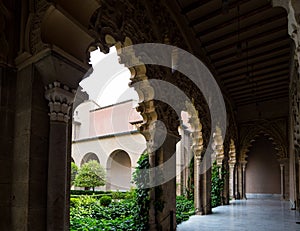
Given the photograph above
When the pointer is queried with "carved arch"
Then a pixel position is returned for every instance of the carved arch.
(271, 131)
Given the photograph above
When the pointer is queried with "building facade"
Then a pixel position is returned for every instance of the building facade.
(110, 136)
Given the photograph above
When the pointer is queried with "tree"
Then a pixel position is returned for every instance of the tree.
(74, 171)
(90, 175)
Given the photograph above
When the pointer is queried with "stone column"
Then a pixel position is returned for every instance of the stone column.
(7, 114)
(231, 181)
(206, 185)
(162, 158)
(152, 212)
(231, 163)
(60, 99)
(180, 164)
(197, 149)
(163, 192)
(197, 195)
(239, 181)
(282, 181)
(244, 181)
(298, 178)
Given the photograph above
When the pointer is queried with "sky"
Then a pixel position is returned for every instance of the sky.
(108, 84)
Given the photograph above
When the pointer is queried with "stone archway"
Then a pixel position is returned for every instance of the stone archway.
(119, 171)
(88, 157)
(274, 135)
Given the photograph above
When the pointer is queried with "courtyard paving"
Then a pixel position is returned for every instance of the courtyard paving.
(246, 215)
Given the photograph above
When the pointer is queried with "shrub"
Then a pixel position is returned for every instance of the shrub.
(74, 202)
(118, 195)
(89, 214)
(105, 200)
(74, 171)
(130, 194)
(184, 209)
(88, 192)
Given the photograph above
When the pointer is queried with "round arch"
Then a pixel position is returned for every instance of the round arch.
(88, 157)
(118, 169)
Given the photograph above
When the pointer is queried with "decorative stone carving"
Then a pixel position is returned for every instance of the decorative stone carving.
(232, 154)
(218, 146)
(196, 126)
(274, 130)
(38, 10)
(60, 99)
(293, 9)
(295, 104)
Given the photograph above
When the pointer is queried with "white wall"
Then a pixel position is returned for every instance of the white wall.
(81, 118)
(133, 144)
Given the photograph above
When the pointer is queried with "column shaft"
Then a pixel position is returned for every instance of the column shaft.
(282, 180)
(244, 181)
(231, 181)
(57, 176)
(197, 194)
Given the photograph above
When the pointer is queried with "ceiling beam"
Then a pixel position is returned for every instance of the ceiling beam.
(266, 77)
(248, 39)
(255, 26)
(215, 28)
(274, 59)
(259, 54)
(257, 86)
(251, 59)
(193, 6)
(261, 94)
(260, 82)
(262, 99)
(216, 13)
(281, 40)
(243, 70)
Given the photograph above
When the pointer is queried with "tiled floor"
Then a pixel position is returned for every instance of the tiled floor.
(250, 215)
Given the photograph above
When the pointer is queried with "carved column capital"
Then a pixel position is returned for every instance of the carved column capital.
(60, 99)
(196, 134)
(232, 154)
(218, 146)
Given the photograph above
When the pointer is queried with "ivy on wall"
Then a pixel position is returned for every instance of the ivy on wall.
(217, 182)
(190, 183)
(141, 179)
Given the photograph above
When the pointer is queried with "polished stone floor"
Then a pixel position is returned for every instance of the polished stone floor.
(247, 215)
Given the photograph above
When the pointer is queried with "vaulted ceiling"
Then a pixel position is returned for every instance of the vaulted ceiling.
(246, 42)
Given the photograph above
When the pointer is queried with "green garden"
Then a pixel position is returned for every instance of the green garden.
(109, 211)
